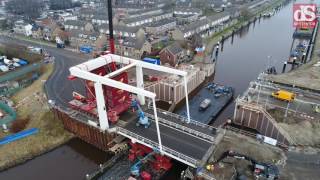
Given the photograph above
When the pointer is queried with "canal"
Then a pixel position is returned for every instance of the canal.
(243, 57)
(264, 43)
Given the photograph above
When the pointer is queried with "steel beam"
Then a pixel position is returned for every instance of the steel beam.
(187, 99)
(125, 60)
(140, 84)
(75, 71)
(157, 125)
(101, 106)
(118, 71)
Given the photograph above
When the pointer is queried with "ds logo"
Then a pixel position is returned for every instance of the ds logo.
(304, 15)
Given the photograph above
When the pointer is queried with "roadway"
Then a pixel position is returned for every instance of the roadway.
(58, 87)
(181, 142)
(303, 103)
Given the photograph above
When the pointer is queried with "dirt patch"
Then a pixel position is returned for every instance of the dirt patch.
(248, 146)
(305, 133)
(279, 116)
(229, 168)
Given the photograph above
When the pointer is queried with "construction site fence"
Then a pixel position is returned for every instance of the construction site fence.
(9, 91)
(11, 114)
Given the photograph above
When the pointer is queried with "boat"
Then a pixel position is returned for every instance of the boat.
(7, 61)
(16, 64)
(219, 96)
(4, 68)
(204, 104)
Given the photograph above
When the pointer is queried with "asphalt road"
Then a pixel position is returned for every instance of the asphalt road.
(303, 103)
(301, 166)
(176, 140)
(58, 87)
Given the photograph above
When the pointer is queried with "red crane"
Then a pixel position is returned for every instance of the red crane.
(117, 101)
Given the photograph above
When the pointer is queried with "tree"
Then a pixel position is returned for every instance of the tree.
(31, 9)
(245, 14)
(63, 4)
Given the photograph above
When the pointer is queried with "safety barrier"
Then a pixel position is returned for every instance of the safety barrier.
(183, 128)
(167, 151)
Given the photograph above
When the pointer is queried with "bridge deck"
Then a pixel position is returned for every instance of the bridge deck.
(176, 140)
(175, 118)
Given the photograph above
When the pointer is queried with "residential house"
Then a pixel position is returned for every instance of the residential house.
(37, 32)
(88, 13)
(186, 18)
(205, 26)
(132, 47)
(20, 27)
(141, 20)
(102, 43)
(187, 11)
(68, 16)
(79, 37)
(62, 35)
(47, 25)
(161, 26)
(78, 25)
(172, 54)
(100, 19)
(123, 31)
(143, 12)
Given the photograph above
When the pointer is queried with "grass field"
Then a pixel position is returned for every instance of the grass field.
(32, 104)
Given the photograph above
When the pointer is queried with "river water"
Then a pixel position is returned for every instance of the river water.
(266, 42)
(244, 56)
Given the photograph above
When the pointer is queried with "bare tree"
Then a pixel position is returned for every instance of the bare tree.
(62, 4)
(30, 9)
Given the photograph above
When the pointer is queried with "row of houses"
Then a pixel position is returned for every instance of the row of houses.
(202, 26)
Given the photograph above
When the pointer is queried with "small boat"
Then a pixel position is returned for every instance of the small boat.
(7, 61)
(204, 104)
(4, 68)
(15, 60)
(16, 64)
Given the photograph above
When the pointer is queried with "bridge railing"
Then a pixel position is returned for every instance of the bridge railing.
(183, 119)
(184, 128)
(154, 145)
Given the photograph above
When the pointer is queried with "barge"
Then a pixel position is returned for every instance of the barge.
(208, 102)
